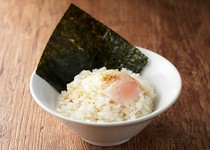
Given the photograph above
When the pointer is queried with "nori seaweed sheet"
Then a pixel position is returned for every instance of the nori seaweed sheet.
(80, 42)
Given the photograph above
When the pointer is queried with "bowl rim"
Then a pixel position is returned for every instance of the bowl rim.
(112, 124)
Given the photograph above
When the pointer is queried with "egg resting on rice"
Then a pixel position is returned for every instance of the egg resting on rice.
(107, 96)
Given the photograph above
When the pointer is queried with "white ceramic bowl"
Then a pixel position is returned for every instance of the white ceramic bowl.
(161, 74)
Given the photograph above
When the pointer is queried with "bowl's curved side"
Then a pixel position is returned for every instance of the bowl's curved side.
(165, 78)
(106, 135)
(43, 93)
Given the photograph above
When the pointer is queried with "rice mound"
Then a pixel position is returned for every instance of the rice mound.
(86, 100)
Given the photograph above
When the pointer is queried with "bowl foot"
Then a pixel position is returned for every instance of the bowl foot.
(106, 144)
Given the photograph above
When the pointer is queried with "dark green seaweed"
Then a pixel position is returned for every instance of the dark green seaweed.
(80, 42)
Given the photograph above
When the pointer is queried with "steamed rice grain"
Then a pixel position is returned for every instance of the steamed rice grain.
(86, 99)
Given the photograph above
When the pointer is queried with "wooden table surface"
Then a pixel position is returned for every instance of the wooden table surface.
(178, 30)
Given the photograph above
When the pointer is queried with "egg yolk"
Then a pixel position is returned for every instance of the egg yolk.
(123, 89)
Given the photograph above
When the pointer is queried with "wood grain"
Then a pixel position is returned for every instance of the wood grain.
(178, 30)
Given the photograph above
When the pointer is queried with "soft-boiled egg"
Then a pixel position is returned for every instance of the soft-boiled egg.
(121, 87)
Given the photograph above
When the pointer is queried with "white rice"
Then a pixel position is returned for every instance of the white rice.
(85, 99)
